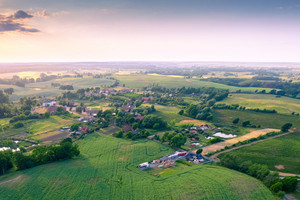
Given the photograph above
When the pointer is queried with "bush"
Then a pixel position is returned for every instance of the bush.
(236, 120)
(286, 127)
(246, 123)
(119, 134)
(18, 125)
(215, 140)
(276, 187)
(181, 112)
(199, 151)
(289, 184)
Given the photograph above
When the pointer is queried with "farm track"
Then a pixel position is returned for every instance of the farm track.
(10, 180)
(215, 156)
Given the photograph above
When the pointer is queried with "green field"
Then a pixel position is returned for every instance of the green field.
(43, 128)
(106, 169)
(169, 81)
(168, 113)
(37, 128)
(284, 151)
(45, 89)
(266, 120)
(284, 105)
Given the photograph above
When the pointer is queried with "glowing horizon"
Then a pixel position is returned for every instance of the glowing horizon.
(131, 30)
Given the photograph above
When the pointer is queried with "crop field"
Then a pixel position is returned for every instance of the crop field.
(280, 154)
(107, 169)
(37, 129)
(45, 89)
(169, 113)
(284, 105)
(168, 81)
(47, 127)
(266, 120)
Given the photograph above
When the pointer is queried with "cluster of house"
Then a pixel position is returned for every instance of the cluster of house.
(129, 107)
(51, 107)
(81, 130)
(48, 106)
(170, 159)
(89, 115)
(107, 92)
(194, 130)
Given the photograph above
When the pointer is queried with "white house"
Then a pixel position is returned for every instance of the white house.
(49, 103)
(144, 165)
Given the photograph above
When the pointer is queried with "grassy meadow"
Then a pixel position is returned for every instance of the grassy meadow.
(107, 169)
(282, 151)
(37, 129)
(168, 113)
(284, 105)
(266, 120)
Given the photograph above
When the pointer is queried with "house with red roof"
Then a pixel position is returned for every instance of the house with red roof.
(146, 99)
(127, 128)
(140, 117)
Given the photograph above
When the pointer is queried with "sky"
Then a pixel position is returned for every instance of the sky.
(154, 30)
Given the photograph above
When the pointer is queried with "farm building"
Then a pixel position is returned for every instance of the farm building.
(49, 103)
(91, 112)
(126, 90)
(166, 161)
(195, 158)
(87, 118)
(144, 165)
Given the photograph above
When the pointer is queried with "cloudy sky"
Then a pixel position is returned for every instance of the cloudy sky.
(136, 30)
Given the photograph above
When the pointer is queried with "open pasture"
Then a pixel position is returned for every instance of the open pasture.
(107, 169)
(168, 113)
(265, 120)
(284, 105)
(280, 154)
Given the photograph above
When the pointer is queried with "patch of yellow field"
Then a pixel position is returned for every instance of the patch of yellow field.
(193, 121)
(221, 145)
(173, 76)
(34, 75)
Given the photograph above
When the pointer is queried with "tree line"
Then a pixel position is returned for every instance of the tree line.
(40, 155)
(261, 172)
